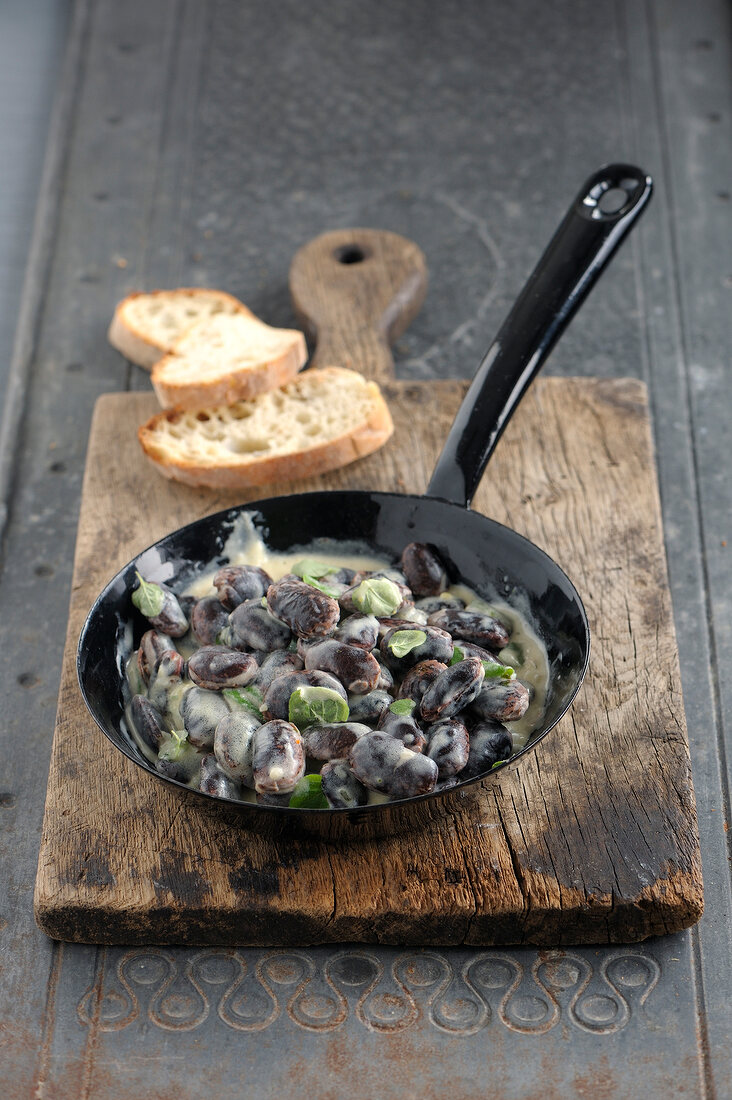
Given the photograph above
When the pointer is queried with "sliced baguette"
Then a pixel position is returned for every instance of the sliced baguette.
(324, 419)
(227, 358)
(147, 326)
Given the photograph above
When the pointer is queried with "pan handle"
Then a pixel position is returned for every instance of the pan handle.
(597, 221)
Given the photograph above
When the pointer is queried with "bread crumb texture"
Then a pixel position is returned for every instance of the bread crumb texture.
(323, 419)
(162, 316)
(219, 345)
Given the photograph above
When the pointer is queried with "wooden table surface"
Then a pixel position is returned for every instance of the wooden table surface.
(202, 142)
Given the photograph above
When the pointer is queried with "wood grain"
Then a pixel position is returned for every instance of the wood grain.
(355, 291)
(592, 838)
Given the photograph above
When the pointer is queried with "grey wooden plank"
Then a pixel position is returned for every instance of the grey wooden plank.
(668, 381)
(469, 129)
(32, 38)
(100, 169)
(694, 51)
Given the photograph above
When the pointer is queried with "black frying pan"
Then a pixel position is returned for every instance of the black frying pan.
(484, 554)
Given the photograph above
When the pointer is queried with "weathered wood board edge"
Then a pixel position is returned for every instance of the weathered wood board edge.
(64, 915)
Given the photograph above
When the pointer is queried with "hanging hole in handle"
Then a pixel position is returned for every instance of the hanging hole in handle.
(350, 254)
(611, 195)
(613, 200)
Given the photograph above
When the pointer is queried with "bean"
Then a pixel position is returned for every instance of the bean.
(170, 619)
(439, 603)
(208, 620)
(277, 697)
(214, 781)
(201, 711)
(153, 646)
(449, 747)
(370, 707)
(340, 576)
(216, 666)
(178, 761)
(361, 631)
(252, 627)
(403, 728)
(341, 787)
(331, 741)
(278, 760)
(306, 611)
(502, 702)
(237, 583)
(437, 646)
(412, 615)
(168, 675)
(418, 679)
(304, 644)
(474, 626)
(383, 763)
(148, 722)
(470, 649)
(452, 690)
(277, 664)
(423, 569)
(356, 669)
(489, 743)
(234, 745)
(394, 623)
(385, 681)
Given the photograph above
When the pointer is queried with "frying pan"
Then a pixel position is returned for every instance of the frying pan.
(482, 553)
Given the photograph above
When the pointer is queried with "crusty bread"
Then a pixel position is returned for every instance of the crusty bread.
(227, 358)
(146, 326)
(324, 419)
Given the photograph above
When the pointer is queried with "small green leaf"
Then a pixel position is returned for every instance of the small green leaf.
(308, 794)
(292, 647)
(309, 705)
(309, 567)
(497, 764)
(326, 588)
(148, 597)
(377, 596)
(402, 707)
(179, 737)
(176, 746)
(498, 671)
(249, 697)
(457, 656)
(403, 642)
(263, 602)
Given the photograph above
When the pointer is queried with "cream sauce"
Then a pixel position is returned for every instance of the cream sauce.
(245, 546)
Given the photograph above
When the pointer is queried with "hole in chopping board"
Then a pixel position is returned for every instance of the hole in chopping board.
(350, 254)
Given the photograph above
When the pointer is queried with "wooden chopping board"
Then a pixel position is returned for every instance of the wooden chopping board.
(591, 838)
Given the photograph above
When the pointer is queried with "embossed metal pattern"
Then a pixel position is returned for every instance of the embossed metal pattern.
(249, 991)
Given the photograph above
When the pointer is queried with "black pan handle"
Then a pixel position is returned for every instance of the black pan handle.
(597, 221)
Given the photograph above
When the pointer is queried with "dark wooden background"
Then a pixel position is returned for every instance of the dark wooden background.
(204, 141)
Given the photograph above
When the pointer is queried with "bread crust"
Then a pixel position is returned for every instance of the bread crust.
(237, 385)
(243, 473)
(138, 346)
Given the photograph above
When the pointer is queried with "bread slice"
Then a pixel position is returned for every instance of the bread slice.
(325, 418)
(146, 326)
(226, 358)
